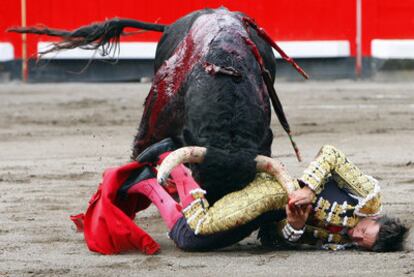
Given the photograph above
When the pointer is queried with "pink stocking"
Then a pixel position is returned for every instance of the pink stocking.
(185, 184)
(169, 209)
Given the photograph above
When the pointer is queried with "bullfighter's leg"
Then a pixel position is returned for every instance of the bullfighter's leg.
(236, 209)
(180, 232)
(187, 187)
(230, 219)
(169, 209)
(333, 162)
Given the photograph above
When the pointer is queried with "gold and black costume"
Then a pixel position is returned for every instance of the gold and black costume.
(235, 209)
(330, 218)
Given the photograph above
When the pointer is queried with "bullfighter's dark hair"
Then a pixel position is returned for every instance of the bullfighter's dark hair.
(102, 35)
(391, 235)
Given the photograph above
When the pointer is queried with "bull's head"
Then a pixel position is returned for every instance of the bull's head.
(194, 154)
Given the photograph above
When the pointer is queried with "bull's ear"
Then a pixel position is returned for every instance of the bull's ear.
(151, 154)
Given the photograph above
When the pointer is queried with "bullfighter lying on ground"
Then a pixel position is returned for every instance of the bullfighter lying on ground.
(335, 206)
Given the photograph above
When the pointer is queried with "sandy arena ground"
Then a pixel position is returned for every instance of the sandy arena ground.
(56, 140)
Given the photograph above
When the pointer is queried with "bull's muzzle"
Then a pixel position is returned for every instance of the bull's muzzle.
(196, 154)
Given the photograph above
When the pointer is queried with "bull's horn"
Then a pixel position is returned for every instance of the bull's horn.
(189, 154)
(276, 169)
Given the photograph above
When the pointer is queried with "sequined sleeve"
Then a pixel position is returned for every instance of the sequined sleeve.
(331, 161)
(290, 238)
(313, 236)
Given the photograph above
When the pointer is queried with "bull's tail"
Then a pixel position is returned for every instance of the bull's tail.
(104, 35)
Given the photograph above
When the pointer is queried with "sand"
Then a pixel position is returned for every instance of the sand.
(56, 140)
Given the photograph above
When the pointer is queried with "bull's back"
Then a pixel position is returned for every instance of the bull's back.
(176, 32)
(223, 110)
(182, 83)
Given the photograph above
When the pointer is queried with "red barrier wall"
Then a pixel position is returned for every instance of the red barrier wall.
(386, 19)
(285, 20)
(10, 16)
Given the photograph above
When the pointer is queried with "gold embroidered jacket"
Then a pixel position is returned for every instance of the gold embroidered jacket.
(331, 218)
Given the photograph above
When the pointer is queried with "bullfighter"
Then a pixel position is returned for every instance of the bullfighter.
(334, 206)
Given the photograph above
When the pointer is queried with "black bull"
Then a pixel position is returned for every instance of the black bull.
(214, 73)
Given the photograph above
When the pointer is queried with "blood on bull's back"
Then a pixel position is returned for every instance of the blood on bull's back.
(209, 91)
(214, 74)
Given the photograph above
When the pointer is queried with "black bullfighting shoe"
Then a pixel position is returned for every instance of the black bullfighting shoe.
(141, 174)
(153, 152)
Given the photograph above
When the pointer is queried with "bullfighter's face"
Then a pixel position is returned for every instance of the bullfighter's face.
(365, 233)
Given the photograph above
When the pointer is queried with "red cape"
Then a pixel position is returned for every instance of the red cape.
(108, 225)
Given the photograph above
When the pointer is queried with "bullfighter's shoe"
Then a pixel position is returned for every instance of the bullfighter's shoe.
(153, 152)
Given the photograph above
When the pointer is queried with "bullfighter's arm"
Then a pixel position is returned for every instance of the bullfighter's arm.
(331, 161)
(311, 235)
(294, 230)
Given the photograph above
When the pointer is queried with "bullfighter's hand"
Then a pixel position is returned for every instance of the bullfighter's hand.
(301, 196)
(297, 215)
